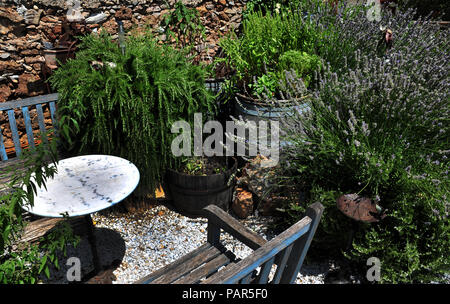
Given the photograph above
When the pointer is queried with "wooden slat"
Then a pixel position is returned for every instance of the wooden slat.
(149, 278)
(246, 279)
(213, 236)
(282, 264)
(265, 271)
(28, 127)
(36, 229)
(204, 270)
(301, 246)
(14, 132)
(187, 266)
(229, 224)
(261, 255)
(26, 102)
(3, 154)
(41, 122)
(52, 106)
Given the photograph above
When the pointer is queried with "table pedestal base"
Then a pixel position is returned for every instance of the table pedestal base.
(93, 242)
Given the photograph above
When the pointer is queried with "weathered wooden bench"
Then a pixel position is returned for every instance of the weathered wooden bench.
(212, 263)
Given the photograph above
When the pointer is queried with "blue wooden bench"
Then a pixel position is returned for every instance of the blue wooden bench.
(212, 263)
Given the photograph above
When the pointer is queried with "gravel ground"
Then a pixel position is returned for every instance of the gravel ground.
(144, 241)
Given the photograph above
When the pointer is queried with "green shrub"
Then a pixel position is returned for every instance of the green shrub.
(184, 25)
(125, 105)
(302, 63)
(20, 262)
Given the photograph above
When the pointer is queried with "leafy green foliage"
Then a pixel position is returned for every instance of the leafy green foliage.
(183, 24)
(22, 263)
(265, 37)
(265, 84)
(126, 107)
(197, 165)
(302, 63)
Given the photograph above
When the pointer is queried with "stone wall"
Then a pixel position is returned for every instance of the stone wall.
(26, 25)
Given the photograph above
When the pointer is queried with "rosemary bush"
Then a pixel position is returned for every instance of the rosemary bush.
(127, 105)
(379, 126)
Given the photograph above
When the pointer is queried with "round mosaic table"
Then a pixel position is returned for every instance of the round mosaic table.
(84, 185)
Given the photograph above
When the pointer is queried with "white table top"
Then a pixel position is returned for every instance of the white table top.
(85, 184)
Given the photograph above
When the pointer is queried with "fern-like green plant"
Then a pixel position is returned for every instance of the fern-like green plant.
(125, 105)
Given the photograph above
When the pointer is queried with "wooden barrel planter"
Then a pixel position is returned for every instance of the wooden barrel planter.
(191, 193)
(257, 110)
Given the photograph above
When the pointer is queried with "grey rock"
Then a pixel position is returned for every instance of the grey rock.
(97, 18)
(5, 55)
(32, 16)
(21, 10)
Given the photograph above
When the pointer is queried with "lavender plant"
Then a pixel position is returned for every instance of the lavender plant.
(379, 126)
(351, 30)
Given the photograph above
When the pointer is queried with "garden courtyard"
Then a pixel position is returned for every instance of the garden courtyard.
(312, 134)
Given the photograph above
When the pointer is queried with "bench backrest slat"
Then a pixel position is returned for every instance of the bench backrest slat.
(3, 154)
(281, 266)
(52, 106)
(28, 126)
(41, 121)
(265, 271)
(25, 106)
(301, 246)
(14, 131)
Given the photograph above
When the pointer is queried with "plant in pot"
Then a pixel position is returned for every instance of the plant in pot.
(125, 104)
(200, 181)
(268, 45)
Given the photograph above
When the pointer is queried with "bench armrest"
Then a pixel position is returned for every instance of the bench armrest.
(219, 219)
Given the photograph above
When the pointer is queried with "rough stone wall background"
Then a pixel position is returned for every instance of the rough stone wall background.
(26, 25)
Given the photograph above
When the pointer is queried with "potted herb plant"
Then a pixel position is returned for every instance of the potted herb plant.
(268, 45)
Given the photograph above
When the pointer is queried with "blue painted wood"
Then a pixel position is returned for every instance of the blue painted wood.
(3, 154)
(246, 279)
(301, 245)
(280, 268)
(4, 106)
(265, 271)
(53, 114)
(28, 127)
(15, 132)
(41, 122)
(248, 268)
(25, 106)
